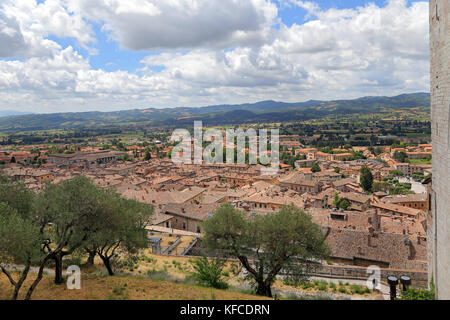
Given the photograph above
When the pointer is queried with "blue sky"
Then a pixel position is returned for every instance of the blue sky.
(60, 55)
(291, 15)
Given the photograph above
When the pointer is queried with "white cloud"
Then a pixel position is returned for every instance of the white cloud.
(234, 54)
(369, 50)
(175, 24)
(43, 76)
(33, 23)
(11, 38)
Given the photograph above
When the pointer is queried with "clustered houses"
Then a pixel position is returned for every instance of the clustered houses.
(373, 238)
(380, 229)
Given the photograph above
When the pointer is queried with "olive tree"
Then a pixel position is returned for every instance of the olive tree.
(20, 236)
(19, 246)
(16, 195)
(68, 213)
(121, 228)
(266, 245)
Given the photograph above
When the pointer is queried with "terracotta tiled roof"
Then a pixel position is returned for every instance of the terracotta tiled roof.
(343, 182)
(395, 249)
(191, 211)
(397, 209)
(406, 198)
(355, 197)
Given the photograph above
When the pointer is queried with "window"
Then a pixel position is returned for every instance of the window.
(184, 225)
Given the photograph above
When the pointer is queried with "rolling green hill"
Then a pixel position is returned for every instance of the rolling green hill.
(265, 111)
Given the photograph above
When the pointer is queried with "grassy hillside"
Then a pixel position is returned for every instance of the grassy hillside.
(157, 277)
(122, 288)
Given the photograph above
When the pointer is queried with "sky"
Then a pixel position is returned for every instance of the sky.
(106, 55)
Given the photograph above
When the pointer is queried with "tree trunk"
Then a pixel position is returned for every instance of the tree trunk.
(22, 279)
(107, 263)
(58, 268)
(17, 285)
(38, 278)
(90, 260)
(264, 289)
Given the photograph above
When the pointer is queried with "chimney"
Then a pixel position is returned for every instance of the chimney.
(376, 221)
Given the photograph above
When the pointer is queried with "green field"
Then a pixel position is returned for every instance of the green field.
(420, 161)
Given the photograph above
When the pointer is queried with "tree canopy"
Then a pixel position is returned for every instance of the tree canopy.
(65, 218)
(20, 236)
(366, 179)
(121, 227)
(286, 241)
(400, 156)
(315, 167)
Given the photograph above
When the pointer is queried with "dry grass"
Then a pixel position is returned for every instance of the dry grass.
(175, 266)
(185, 241)
(121, 288)
(318, 287)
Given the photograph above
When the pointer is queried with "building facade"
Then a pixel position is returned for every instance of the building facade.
(439, 219)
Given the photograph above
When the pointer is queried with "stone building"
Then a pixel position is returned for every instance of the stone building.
(439, 219)
(87, 158)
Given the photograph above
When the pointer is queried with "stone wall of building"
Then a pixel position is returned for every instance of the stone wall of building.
(439, 231)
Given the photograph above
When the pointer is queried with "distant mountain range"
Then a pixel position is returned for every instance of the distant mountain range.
(265, 111)
(9, 113)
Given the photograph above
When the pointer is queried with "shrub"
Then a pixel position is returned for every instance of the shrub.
(130, 262)
(209, 272)
(356, 289)
(119, 292)
(148, 259)
(418, 294)
(323, 286)
(307, 285)
(342, 290)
